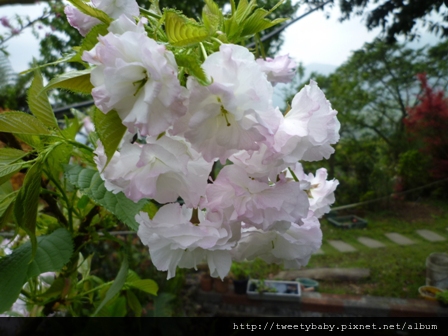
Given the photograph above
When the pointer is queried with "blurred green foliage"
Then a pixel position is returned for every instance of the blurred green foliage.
(372, 92)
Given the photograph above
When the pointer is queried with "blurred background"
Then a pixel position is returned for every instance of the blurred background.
(383, 65)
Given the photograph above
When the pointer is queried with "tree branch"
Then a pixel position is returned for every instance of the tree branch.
(29, 24)
(377, 131)
(53, 206)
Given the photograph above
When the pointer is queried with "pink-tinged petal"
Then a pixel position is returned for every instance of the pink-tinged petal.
(290, 245)
(162, 169)
(281, 69)
(321, 190)
(137, 77)
(219, 263)
(174, 241)
(309, 128)
(230, 114)
(124, 24)
(115, 8)
(254, 202)
(82, 22)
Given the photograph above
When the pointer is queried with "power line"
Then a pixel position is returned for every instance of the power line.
(353, 205)
(286, 25)
(60, 112)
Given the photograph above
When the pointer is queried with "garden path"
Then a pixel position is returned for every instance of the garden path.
(395, 237)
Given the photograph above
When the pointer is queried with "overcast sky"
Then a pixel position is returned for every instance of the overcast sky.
(313, 39)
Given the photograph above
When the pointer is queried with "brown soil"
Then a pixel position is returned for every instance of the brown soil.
(347, 287)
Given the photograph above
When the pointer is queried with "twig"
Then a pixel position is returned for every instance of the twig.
(54, 209)
(30, 23)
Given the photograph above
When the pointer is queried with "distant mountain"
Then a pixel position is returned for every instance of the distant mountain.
(323, 69)
(279, 89)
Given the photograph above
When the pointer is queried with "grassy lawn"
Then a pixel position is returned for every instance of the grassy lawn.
(396, 271)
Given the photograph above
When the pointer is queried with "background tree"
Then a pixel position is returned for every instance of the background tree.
(427, 124)
(373, 92)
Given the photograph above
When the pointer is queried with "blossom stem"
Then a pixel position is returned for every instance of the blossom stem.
(204, 53)
(294, 176)
(80, 145)
(260, 46)
(147, 12)
(25, 293)
(288, 108)
(90, 291)
(217, 40)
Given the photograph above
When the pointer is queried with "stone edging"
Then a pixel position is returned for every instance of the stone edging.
(230, 304)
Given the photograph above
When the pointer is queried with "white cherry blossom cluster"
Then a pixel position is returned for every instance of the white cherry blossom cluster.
(261, 204)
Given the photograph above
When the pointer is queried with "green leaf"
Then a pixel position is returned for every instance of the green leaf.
(58, 158)
(52, 253)
(132, 276)
(110, 130)
(212, 16)
(91, 184)
(182, 31)
(232, 29)
(6, 207)
(75, 81)
(6, 172)
(146, 285)
(151, 209)
(91, 11)
(32, 140)
(5, 189)
(134, 303)
(257, 22)
(233, 7)
(155, 7)
(55, 289)
(162, 307)
(192, 65)
(244, 9)
(72, 129)
(83, 201)
(13, 269)
(89, 41)
(39, 104)
(47, 221)
(21, 123)
(116, 285)
(114, 308)
(9, 155)
(4, 219)
(84, 265)
(248, 20)
(96, 280)
(27, 202)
